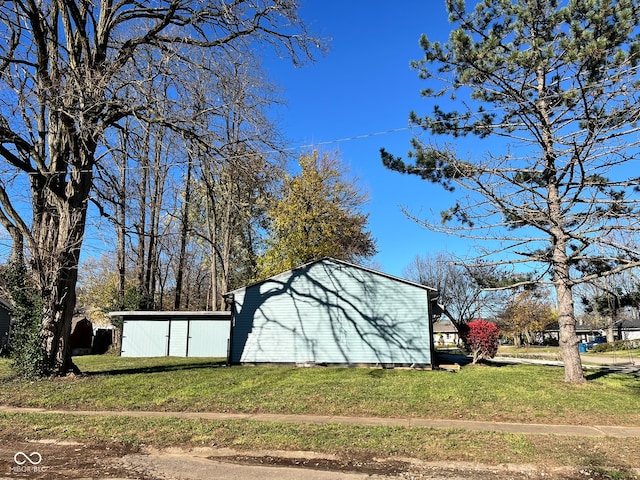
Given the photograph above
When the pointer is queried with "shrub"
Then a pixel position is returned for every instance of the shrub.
(480, 338)
(615, 346)
(27, 311)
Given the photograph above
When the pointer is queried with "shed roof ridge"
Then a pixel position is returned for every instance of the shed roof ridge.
(168, 312)
(338, 261)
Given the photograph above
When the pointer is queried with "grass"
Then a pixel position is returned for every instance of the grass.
(518, 393)
(510, 393)
(345, 441)
(622, 355)
(528, 349)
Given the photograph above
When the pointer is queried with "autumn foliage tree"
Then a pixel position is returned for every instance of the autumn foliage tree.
(527, 313)
(480, 338)
(318, 215)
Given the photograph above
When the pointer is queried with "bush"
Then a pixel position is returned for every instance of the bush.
(27, 311)
(617, 345)
(480, 338)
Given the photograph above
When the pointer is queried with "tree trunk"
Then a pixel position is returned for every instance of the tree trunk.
(560, 243)
(566, 313)
(214, 275)
(121, 215)
(610, 330)
(58, 315)
(59, 232)
(227, 234)
(184, 232)
(17, 245)
(567, 326)
(141, 227)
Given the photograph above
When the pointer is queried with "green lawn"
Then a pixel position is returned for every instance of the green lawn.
(511, 393)
(615, 456)
(522, 393)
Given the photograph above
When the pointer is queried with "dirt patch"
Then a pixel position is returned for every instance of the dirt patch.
(369, 467)
(52, 459)
(411, 469)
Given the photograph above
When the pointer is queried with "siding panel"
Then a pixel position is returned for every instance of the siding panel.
(331, 312)
(193, 334)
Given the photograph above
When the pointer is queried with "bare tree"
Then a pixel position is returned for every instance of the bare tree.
(112, 194)
(63, 70)
(184, 237)
(239, 166)
(459, 293)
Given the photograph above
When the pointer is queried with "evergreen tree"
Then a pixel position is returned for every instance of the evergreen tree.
(558, 83)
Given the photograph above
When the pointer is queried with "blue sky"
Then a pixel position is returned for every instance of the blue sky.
(353, 101)
(357, 99)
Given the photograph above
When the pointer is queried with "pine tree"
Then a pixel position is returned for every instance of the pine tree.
(557, 83)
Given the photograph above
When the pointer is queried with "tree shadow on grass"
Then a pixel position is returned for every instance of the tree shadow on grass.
(605, 372)
(159, 368)
(461, 360)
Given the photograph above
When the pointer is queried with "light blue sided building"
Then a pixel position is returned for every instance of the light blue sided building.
(333, 313)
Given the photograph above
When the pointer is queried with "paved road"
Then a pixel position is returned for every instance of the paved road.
(206, 463)
(167, 465)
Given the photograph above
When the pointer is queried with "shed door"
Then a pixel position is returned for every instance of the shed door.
(208, 338)
(144, 338)
(178, 338)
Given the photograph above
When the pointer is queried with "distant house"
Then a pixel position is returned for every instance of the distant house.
(5, 322)
(175, 334)
(335, 313)
(445, 332)
(627, 328)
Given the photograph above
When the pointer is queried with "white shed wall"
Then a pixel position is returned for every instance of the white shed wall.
(145, 335)
(178, 337)
(331, 312)
(209, 338)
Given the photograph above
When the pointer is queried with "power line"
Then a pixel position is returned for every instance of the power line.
(349, 139)
(240, 156)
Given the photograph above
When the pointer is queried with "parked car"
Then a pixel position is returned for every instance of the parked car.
(596, 341)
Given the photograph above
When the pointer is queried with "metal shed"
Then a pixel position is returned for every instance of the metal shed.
(332, 312)
(175, 334)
